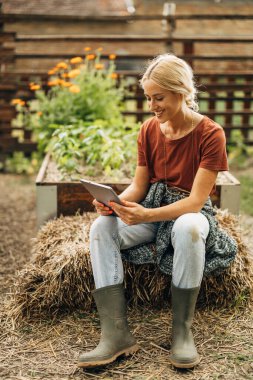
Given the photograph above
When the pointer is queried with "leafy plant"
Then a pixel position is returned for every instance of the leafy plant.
(238, 152)
(78, 116)
(20, 164)
(99, 146)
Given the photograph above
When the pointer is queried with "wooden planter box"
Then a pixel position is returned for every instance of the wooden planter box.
(66, 198)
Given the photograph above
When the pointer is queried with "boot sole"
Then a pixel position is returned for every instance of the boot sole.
(126, 352)
(184, 365)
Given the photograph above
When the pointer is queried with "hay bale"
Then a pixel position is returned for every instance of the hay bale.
(59, 276)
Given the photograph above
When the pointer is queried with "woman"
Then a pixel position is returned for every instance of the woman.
(180, 153)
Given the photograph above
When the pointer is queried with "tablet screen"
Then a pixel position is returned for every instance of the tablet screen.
(102, 193)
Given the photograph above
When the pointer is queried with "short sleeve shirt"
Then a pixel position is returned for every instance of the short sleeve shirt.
(177, 161)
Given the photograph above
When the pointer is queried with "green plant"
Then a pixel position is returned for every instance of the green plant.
(78, 117)
(238, 151)
(99, 146)
(20, 164)
(246, 194)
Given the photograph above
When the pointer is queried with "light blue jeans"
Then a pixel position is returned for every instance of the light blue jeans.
(109, 235)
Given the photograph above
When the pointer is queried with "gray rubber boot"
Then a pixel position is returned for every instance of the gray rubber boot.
(116, 338)
(183, 350)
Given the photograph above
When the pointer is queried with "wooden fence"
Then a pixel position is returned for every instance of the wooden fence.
(225, 81)
(225, 98)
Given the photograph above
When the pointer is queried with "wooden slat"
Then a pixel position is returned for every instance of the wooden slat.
(246, 118)
(9, 129)
(26, 147)
(201, 98)
(135, 37)
(92, 37)
(5, 124)
(6, 52)
(8, 144)
(7, 37)
(7, 87)
(139, 56)
(241, 127)
(214, 39)
(8, 140)
(229, 106)
(42, 170)
(202, 87)
(131, 73)
(225, 87)
(214, 17)
(11, 17)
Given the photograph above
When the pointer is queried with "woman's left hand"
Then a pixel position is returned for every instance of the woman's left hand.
(130, 212)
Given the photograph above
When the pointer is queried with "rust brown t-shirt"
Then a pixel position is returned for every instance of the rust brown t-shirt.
(177, 161)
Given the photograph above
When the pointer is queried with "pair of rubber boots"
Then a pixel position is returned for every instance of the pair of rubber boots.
(116, 338)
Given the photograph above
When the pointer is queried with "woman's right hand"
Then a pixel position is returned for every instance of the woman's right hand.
(101, 208)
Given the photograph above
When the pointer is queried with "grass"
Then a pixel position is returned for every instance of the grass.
(246, 194)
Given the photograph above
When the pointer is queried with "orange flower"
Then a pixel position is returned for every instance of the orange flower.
(112, 56)
(60, 81)
(56, 82)
(90, 57)
(62, 65)
(39, 113)
(76, 60)
(64, 75)
(51, 72)
(73, 73)
(66, 84)
(74, 88)
(99, 66)
(53, 83)
(16, 101)
(114, 75)
(100, 49)
(22, 103)
(35, 87)
(87, 48)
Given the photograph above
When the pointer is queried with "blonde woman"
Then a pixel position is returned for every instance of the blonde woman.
(180, 153)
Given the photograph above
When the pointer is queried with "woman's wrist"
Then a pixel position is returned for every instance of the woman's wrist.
(150, 215)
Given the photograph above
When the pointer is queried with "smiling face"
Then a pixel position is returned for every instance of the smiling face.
(164, 103)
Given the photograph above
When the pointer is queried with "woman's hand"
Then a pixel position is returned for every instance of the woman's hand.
(101, 208)
(130, 212)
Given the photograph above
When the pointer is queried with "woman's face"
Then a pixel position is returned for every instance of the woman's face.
(164, 103)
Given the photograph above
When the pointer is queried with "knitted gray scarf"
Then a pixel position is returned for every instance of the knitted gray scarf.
(220, 247)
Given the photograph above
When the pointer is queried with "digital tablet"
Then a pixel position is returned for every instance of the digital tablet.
(102, 193)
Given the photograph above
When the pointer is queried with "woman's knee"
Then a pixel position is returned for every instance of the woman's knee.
(191, 227)
(101, 226)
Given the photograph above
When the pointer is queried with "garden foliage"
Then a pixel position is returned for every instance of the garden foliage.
(78, 117)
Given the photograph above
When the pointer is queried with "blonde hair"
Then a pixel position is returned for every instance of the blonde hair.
(173, 74)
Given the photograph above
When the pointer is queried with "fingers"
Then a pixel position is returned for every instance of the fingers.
(101, 208)
(128, 204)
(125, 213)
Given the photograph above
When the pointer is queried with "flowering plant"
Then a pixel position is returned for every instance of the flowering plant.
(79, 113)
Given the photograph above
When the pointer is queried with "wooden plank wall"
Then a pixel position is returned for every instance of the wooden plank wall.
(223, 65)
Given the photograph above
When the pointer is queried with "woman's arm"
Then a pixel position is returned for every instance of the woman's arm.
(132, 213)
(138, 189)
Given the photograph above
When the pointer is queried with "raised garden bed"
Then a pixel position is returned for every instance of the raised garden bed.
(56, 197)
